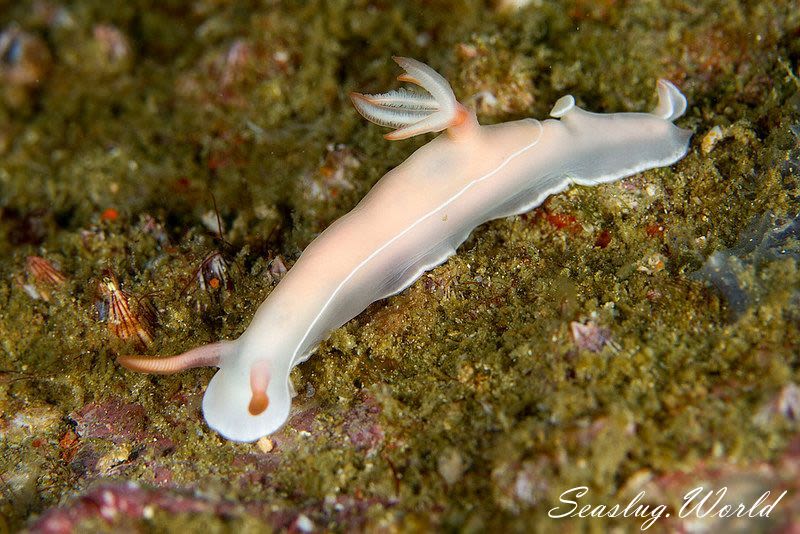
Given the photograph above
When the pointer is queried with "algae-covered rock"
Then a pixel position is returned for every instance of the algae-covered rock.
(193, 149)
(739, 273)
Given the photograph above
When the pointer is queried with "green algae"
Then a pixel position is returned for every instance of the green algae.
(474, 367)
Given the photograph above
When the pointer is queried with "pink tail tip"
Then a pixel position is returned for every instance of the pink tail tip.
(203, 356)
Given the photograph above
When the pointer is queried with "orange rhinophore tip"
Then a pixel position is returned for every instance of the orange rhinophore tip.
(258, 403)
(259, 380)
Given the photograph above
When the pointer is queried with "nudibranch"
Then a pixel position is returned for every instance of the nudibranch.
(412, 220)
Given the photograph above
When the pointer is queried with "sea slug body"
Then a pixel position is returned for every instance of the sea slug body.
(412, 220)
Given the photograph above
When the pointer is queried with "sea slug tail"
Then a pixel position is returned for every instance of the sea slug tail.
(671, 102)
(204, 356)
(412, 113)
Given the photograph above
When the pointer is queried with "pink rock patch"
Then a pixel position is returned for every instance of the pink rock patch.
(361, 424)
(112, 419)
(117, 504)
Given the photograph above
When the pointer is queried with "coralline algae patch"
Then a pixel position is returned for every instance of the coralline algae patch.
(741, 273)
